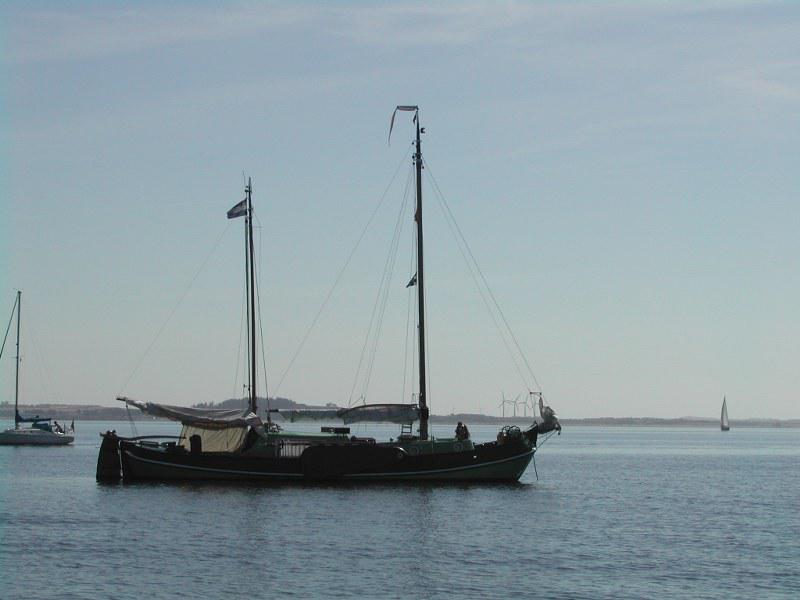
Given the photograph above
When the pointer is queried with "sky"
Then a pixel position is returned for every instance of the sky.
(625, 174)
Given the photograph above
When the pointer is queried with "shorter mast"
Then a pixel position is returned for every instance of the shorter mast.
(252, 302)
(245, 209)
(16, 382)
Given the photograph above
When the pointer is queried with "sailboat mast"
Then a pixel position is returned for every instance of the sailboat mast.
(252, 301)
(424, 411)
(16, 383)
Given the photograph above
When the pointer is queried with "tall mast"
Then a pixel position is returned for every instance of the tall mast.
(252, 302)
(16, 383)
(424, 411)
(423, 397)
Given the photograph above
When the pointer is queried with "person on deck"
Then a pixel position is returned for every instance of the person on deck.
(460, 431)
(464, 432)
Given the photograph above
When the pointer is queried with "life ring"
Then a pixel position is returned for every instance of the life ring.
(457, 447)
(413, 450)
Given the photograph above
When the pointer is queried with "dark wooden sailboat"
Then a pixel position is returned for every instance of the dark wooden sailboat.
(237, 445)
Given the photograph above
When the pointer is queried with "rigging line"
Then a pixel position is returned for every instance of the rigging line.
(261, 327)
(415, 340)
(428, 386)
(408, 320)
(10, 320)
(340, 274)
(174, 308)
(483, 278)
(242, 319)
(372, 316)
(387, 284)
(482, 294)
(134, 431)
(386, 287)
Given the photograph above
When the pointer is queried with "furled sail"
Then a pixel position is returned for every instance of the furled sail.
(367, 413)
(207, 418)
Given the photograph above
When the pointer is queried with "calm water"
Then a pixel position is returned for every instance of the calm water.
(617, 512)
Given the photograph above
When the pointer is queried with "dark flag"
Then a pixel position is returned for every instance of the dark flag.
(72, 426)
(413, 281)
(239, 210)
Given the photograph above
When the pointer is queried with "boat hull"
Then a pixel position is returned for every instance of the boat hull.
(132, 461)
(34, 437)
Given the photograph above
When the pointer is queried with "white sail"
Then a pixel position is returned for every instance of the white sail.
(723, 423)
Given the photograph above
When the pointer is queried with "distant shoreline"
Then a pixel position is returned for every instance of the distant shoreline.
(621, 421)
(67, 412)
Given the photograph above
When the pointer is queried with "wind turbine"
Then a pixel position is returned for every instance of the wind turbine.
(515, 401)
(524, 407)
(502, 405)
(530, 402)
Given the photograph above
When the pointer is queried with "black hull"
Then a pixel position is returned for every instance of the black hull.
(486, 462)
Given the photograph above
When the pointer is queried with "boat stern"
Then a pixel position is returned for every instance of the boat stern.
(109, 468)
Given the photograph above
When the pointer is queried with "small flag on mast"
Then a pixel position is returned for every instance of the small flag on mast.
(413, 281)
(239, 210)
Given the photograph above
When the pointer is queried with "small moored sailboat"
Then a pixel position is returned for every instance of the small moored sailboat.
(723, 419)
(41, 432)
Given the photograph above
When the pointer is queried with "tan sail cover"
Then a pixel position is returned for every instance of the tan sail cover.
(229, 439)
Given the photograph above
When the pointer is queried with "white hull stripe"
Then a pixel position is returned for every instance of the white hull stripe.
(391, 474)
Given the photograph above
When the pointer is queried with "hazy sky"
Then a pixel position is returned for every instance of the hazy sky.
(626, 175)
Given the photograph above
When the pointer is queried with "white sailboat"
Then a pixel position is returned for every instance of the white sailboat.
(41, 432)
(723, 420)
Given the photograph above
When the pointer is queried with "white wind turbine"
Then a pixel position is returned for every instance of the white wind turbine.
(502, 405)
